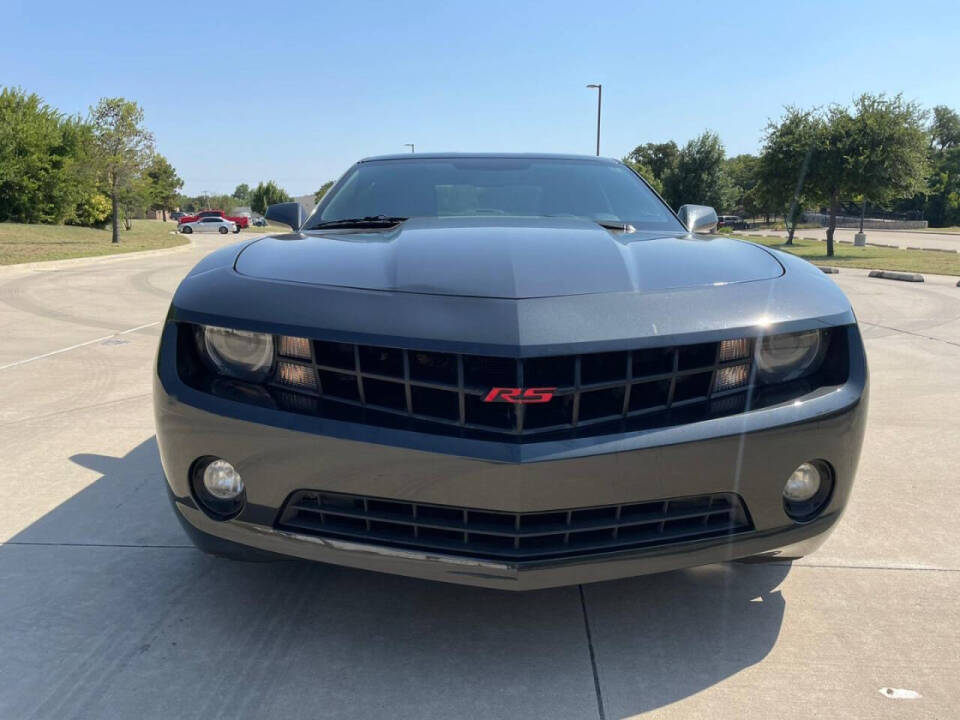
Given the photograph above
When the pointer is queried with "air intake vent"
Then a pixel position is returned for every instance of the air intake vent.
(509, 536)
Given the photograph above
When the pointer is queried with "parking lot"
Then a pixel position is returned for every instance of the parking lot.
(106, 610)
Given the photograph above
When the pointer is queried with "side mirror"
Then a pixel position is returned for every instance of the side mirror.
(698, 218)
(288, 213)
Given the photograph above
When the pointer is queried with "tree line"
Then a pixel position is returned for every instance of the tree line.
(881, 151)
(58, 168)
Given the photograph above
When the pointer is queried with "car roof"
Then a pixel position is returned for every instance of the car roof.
(504, 156)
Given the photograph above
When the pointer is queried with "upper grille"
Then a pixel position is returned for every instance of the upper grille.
(513, 536)
(642, 387)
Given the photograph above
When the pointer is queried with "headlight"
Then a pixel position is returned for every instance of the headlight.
(238, 353)
(789, 356)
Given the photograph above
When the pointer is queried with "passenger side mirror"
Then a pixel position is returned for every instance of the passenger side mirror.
(288, 213)
(698, 218)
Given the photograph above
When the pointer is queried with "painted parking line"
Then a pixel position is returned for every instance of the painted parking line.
(78, 345)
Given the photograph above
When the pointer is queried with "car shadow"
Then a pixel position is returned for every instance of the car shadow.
(108, 611)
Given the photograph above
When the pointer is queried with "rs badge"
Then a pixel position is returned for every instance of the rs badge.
(520, 396)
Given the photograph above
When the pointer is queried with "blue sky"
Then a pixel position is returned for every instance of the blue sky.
(296, 92)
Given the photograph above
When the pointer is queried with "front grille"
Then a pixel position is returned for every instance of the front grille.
(630, 388)
(512, 536)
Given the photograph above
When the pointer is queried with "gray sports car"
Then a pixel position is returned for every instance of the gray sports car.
(514, 371)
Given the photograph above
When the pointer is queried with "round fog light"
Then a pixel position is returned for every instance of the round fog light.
(222, 480)
(803, 484)
(808, 490)
(218, 488)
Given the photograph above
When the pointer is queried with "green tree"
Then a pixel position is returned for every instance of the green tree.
(875, 152)
(645, 172)
(657, 159)
(164, 184)
(944, 129)
(92, 211)
(268, 193)
(742, 172)
(122, 148)
(888, 148)
(699, 176)
(242, 193)
(782, 170)
(43, 160)
(318, 195)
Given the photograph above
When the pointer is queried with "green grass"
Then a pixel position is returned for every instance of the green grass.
(870, 258)
(20, 243)
(954, 230)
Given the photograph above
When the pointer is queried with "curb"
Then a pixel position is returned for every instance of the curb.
(829, 270)
(893, 275)
(942, 250)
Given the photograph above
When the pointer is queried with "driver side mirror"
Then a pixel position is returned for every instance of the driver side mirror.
(698, 218)
(288, 213)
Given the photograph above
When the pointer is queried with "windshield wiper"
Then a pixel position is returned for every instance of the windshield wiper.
(367, 221)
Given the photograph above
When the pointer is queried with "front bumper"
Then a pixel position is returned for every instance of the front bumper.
(277, 454)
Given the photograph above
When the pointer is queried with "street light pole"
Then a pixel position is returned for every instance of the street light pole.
(409, 145)
(599, 89)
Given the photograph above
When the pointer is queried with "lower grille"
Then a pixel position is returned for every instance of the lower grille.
(511, 536)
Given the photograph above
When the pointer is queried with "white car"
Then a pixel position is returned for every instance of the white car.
(209, 224)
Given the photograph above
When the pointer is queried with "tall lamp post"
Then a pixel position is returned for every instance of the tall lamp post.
(599, 89)
(409, 145)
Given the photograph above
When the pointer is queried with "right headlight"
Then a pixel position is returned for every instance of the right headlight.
(237, 353)
(780, 358)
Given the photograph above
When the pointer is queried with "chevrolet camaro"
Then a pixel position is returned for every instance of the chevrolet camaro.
(511, 371)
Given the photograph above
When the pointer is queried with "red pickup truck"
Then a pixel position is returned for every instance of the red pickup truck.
(240, 221)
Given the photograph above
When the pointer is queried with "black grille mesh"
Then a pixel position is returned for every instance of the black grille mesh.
(449, 388)
(513, 536)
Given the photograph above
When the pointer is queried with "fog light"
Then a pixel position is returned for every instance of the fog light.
(222, 480)
(217, 487)
(807, 490)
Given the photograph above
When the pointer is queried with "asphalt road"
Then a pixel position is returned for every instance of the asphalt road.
(106, 611)
(900, 238)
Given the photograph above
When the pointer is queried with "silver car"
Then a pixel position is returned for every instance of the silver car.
(209, 224)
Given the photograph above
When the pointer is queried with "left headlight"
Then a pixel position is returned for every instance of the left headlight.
(237, 353)
(789, 356)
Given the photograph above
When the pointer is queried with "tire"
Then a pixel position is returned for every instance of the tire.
(186, 230)
(223, 230)
(236, 229)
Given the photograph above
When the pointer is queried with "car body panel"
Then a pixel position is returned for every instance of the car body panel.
(506, 258)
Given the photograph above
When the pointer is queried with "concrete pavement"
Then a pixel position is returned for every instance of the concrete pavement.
(899, 238)
(106, 611)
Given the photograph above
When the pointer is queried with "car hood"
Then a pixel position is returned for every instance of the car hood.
(506, 258)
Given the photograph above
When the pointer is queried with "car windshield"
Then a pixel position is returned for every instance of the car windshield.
(485, 187)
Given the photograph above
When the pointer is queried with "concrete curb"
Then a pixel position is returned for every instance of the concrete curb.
(893, 275)
(829, 270)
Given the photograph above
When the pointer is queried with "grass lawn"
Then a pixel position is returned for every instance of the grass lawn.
(20, 243)
(870, 258)
(954, 230)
